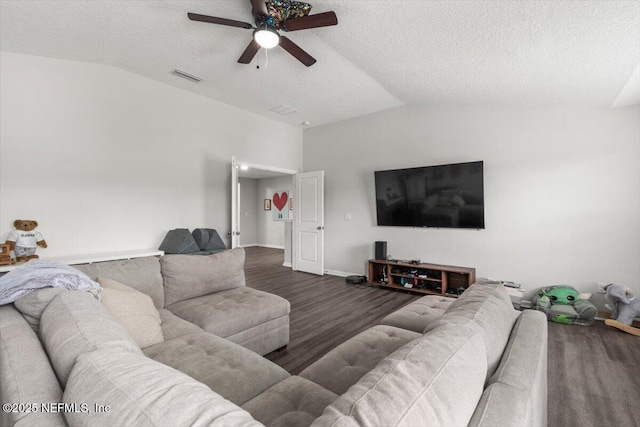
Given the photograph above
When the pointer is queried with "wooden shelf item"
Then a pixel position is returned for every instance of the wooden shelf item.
(5, 255)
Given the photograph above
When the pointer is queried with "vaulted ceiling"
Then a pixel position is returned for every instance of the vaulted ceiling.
(382, 54)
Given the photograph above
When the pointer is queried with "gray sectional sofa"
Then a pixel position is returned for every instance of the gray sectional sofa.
(471, 361)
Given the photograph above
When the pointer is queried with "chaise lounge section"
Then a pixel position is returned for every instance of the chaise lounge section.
(207, 291)
(212, 295)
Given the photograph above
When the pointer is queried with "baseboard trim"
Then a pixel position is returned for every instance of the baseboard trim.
(287, 264)
(340, 273)
(248, 245)
(264, 245)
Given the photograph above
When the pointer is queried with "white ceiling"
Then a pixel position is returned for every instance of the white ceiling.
(382, 54)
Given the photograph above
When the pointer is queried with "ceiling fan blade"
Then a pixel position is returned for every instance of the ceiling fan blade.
(249, 52)
(221, 21)
(296, 51)
(259, 8)
(324, 19)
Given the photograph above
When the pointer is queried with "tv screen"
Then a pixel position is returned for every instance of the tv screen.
(447, 196)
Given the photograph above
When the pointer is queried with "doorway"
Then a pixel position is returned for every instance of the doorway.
(304, 223)
(262, 195)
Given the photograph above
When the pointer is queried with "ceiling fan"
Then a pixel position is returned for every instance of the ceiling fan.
(271, 16)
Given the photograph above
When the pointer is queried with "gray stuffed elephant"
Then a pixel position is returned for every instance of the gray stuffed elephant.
(625, 306)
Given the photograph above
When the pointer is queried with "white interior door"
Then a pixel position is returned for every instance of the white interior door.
(235, 201)
(308, 247)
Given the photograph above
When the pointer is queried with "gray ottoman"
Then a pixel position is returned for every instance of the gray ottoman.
(343, 366)
(419, 314)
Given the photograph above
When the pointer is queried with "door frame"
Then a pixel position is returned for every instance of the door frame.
(235, 194)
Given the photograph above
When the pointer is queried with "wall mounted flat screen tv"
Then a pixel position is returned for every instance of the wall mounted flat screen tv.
(444, 196)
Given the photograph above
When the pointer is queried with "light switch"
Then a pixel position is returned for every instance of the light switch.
(347, 217)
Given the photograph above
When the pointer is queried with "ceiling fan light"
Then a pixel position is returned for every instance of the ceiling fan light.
(266, 38)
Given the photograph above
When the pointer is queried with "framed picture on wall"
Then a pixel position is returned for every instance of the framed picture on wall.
(281, 205)
(267, 204)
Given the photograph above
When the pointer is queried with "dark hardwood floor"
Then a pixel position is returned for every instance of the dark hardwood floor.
(594, 376)
(325, 311)
(593, 371)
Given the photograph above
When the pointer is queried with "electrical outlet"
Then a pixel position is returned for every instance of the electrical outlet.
(601, 288)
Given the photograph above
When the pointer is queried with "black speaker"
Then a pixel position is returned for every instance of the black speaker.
(381, 250)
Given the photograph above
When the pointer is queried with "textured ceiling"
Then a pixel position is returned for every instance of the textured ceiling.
(382, 54)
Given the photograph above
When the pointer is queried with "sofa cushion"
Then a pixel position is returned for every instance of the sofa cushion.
(420, 314)
(232, 371)
(74, 323)
(265, 337)
(188, 276)
(294, 402)
(174, 326)
(346, 364)
(435, 380)
(33, 304)
(232, 311)
(487, 309)
(134, 310)
(142, 274)
(141, 392)
(27, 376)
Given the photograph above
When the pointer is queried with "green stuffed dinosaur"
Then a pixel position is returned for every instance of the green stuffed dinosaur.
(562, 305)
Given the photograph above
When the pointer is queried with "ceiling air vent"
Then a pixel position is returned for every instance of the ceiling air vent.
(283, 110)
(185, 75)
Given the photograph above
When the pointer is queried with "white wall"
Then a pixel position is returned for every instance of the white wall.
(107, 160)
(562, 191)
(269, 232)
(248, 211)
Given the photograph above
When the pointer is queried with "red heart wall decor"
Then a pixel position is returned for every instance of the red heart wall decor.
(280, 200)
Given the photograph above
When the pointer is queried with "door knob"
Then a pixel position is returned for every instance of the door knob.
(319, 227)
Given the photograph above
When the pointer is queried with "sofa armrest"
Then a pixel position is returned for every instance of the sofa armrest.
(518, 389)
(27, 375)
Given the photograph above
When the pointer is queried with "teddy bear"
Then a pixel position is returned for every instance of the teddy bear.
(24, 239)
(624, 307)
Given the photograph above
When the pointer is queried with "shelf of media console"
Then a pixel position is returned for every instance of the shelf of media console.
(406, 287)
(410, 276)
